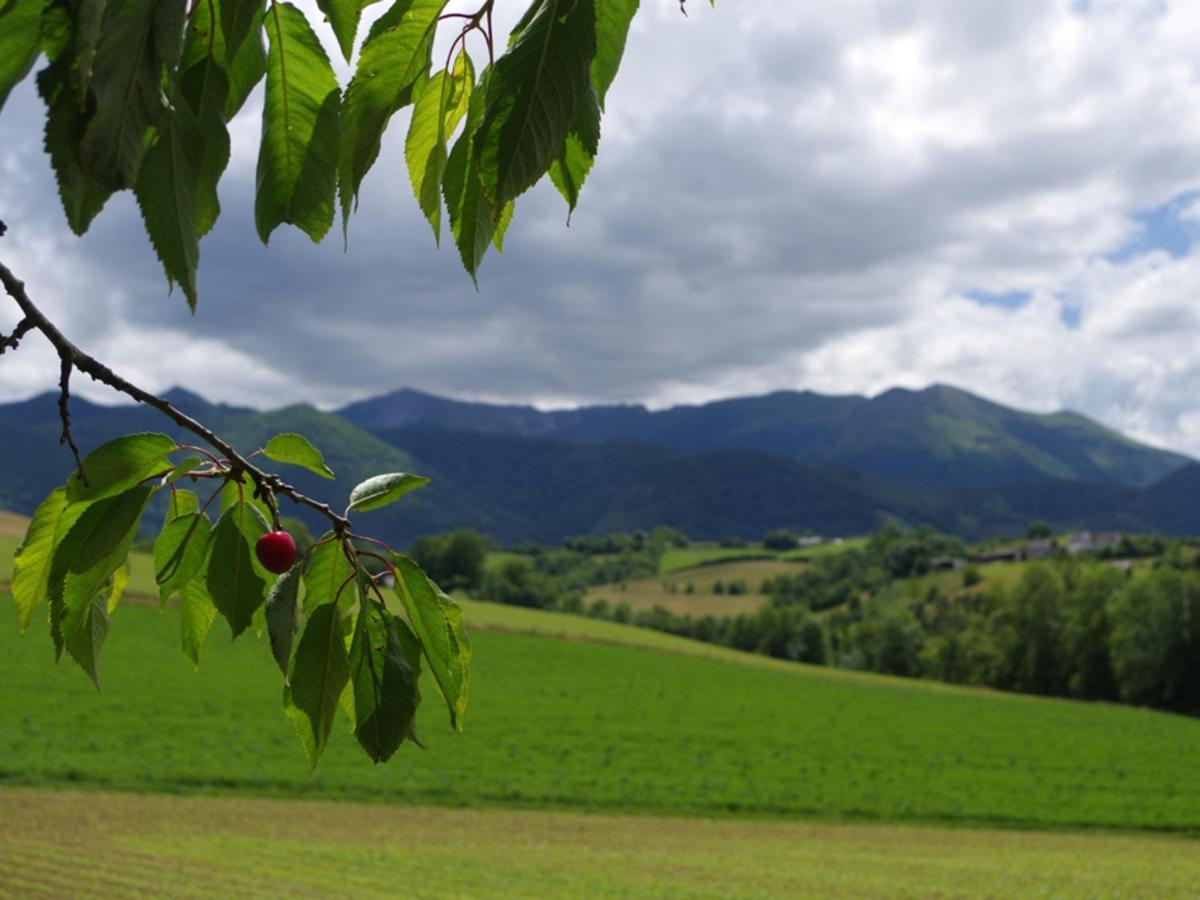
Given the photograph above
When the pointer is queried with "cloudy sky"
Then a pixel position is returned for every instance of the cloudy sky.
(838, 195)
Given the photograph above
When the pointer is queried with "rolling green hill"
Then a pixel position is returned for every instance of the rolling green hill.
(518, 487)
(938, 436)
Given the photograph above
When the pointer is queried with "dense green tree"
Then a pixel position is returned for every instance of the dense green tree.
(454, 560)
(517, 583)
(1155, 644)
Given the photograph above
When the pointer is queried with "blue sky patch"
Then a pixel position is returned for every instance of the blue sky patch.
(1004, 300)
(1162, 228)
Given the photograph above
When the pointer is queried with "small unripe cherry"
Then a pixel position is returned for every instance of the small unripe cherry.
(276, 551)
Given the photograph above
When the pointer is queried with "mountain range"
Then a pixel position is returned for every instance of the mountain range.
(832, 464)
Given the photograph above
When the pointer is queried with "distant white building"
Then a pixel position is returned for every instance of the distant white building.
(1091, 541)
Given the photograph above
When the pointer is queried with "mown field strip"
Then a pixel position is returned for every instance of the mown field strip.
(96, 844)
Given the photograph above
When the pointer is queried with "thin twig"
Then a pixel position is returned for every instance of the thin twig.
(13, 340)
(64, 411)
(265, 483)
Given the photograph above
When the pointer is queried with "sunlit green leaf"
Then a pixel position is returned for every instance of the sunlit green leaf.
(328, 577)
(385, 684)
(384, 489)
(239, 19)
(612, 28)
(196, 615)
(472, 220)
(298, 156)
(281, 615)
(31, 566)
(296, 450)
(120, 464)
(443, 102)
(242, 491)
(84, 560)
(20, 41)
(180, 552)
(393, 57)
(117, 584)
(244, 67)
(438, 622)
(319, 673)
(343, 16)
(534, 96)
(181, 503)
(233, 580)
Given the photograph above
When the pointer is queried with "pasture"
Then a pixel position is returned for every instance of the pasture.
(694, 592)
(95, 844)
(575, 724)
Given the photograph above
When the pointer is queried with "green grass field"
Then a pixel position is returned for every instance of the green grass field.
(600, 726)
(701, 554)
(67, 843)
(671, 591)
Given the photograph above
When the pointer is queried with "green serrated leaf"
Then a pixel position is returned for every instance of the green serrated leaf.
(87, 556)
(570, 170)
(116, 586)
(238, 20)
(127, 89)
(20, 41)
(244, 66)
(534, 97)
(383, 489)
(281, 615)
(169, 18)
(89, 21)
(343, 17)
(472, 219)
(180, 552)
(204, 88)
(385, 685)
(394, 57)
(443, 102)
(328, 577)
(612, 29)
(506, 217)
(31, 565)
(295, 450)
(82, 196)
(232, 579)
(166, 191)
(438, 623)
(298, 156)
(114, 467)
(319, 673)
(181, 503)
(183, 468)
(196, 615)
(242, 491)
(245, 69)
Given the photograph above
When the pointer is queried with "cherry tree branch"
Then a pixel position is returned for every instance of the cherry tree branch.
(266, 484)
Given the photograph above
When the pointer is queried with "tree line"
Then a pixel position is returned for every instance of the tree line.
(1075, 627)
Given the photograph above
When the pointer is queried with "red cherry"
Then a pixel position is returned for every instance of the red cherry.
(276, 551)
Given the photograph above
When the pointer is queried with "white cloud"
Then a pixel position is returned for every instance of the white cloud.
(787, 196)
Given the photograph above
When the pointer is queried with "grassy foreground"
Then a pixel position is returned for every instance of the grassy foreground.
(583, 725)
(120, 845)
